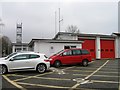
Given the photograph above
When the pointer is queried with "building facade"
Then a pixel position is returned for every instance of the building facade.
(50, 46)
(100, 46)
(17, 47)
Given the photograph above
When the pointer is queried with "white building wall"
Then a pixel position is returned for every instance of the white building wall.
(98, 51)
(116, 47)
(51, 48)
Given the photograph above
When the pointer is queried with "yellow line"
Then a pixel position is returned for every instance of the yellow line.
(49, 86)
(17, 75)
(32, 76)
(9, 74)
(53, 78)
(13, 83)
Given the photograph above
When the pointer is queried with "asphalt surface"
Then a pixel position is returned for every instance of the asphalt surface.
(99, 75)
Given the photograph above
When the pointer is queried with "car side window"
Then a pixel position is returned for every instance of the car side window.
(76, 52)
(84, 52)
(67, 53)
(34, 56)
(21, 57)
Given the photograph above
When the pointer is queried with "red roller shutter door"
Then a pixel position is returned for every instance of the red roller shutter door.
(107, 49)
(89, 45)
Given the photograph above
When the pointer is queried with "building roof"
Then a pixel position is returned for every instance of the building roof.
(19, 44)
(83, 35)
(118, 34)
(53, 41)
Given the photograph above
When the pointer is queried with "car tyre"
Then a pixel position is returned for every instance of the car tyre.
(85, 63)
(57, 64)
(41, 68)
(3, 69)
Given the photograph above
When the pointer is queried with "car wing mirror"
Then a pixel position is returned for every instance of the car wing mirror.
(61, 54)
(11, 59)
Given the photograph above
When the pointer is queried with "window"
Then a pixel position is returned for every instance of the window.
(24, 49)
(102, 50)
(76, 52)
(67, 53)
(73, 46)
(34, 56)
(10, 55)
(21, 57)
(45, 56)
(91, 50)
(106, 50)
(84, 52)
(111, 50)
(66, 47)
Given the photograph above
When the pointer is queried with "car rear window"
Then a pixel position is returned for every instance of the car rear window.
(84, 52)
(34, 56)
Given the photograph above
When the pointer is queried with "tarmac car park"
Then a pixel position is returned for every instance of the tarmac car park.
(100, 74)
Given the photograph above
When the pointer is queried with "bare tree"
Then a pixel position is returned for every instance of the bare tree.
(72, 29)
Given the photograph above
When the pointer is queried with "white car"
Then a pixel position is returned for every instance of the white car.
(19, 61)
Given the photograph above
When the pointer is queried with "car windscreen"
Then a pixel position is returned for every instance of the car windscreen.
(59, 52)
(10, 55)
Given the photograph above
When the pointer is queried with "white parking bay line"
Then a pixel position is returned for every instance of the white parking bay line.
(13, 83)
(104, 81)
(97, 70)
(78, 83)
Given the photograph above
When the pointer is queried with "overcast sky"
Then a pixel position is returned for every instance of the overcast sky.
(38, 18)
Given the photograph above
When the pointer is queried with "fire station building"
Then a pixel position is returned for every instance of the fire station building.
(100, 46)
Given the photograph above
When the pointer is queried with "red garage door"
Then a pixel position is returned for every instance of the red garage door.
(89, 45)
(107, 49)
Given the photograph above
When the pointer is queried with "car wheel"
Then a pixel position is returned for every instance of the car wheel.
(41, 68)
(85, 63)
(3, 69)
(57, 64)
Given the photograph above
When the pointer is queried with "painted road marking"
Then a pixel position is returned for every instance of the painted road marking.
(32, 76)
(39, 75)
(40, 85)
(96, 75)
(13, 83)
(76, 85)
(61, 79)
(16, 75)
(97, 70)
(92, 71)
(104, 81)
